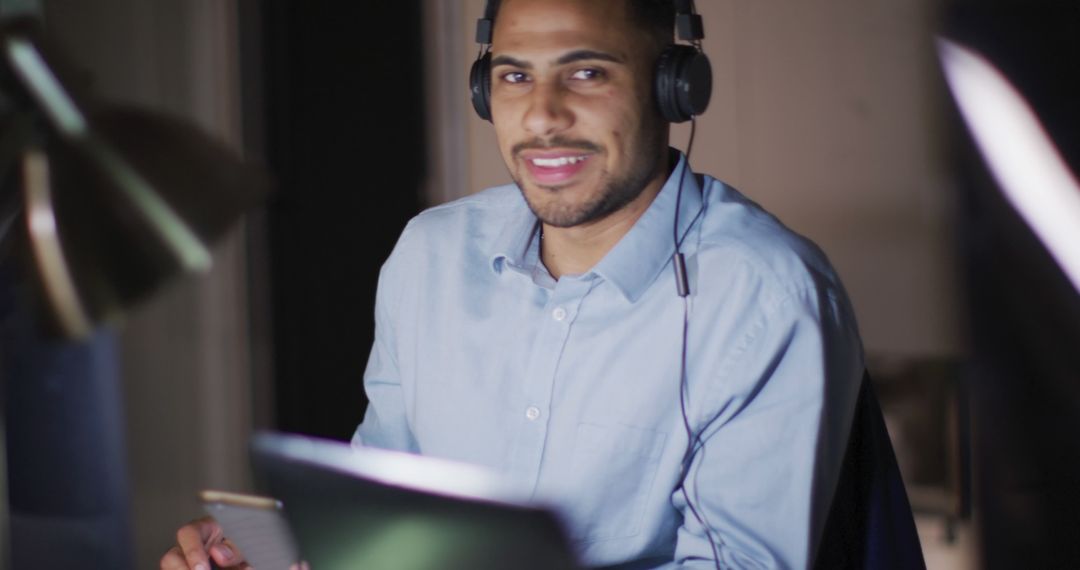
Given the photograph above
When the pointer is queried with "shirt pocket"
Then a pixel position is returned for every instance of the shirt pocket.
(614, 467)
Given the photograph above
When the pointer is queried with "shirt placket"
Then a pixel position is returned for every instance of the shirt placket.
(557, 316)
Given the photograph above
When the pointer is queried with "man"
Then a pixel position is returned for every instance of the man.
(536, 328)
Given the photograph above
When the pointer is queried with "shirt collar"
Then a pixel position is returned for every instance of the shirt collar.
(633, 264)
(515, 245)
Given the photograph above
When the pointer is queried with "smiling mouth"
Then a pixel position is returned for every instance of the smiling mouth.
(558, 162)
(550, 169)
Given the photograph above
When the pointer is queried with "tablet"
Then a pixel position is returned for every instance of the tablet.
(370, 508)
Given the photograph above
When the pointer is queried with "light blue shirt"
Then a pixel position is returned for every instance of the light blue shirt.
(570, 388)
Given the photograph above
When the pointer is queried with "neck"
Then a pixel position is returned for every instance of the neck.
(576, 250)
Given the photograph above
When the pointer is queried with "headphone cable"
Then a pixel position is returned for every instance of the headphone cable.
(693, 441)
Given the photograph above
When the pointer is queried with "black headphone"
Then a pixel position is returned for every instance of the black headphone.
(683, 81)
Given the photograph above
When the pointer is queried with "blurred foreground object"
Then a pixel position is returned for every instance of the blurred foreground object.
(112, 200)
(99, 206)
(1026, 164)
(362, 507)
(1020, 222)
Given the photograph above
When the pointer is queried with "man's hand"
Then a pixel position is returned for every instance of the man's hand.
(197, 542)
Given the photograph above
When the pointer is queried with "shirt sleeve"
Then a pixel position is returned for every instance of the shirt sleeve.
(385, 423)
(772, 438)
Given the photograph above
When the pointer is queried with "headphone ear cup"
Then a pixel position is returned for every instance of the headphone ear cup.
(480, 86)
(683, 83)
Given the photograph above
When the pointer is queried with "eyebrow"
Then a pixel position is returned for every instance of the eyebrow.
(574, 56)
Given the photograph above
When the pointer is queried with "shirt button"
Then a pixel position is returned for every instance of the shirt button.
(532, 412)
(559, 314)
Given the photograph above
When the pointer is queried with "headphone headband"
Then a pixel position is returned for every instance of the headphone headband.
(486, 25)
(687, 21)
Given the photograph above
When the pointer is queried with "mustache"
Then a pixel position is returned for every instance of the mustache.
(555, 142)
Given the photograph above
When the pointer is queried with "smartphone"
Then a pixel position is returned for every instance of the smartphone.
(256, 526)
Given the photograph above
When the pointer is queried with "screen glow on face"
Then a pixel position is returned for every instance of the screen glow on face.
(1027, 166)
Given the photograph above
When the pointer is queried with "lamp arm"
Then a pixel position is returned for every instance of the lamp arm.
(48, 251)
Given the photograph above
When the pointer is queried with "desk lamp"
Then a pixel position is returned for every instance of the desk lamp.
(100, 203)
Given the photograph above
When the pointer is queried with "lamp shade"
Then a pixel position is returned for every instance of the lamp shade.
(114, 200)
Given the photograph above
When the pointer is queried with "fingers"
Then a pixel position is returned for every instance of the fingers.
(194, 538)
(199, 541)
(174, 560)
(227, 555)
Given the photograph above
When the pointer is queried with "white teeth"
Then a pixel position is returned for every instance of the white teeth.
(557, 162)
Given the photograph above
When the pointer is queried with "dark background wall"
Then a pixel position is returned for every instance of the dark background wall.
(345, 136)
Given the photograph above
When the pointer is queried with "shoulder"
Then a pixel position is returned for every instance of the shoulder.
(774, 286)
(442, 240)
(739, 242)
(440, 244)
(459, 227)
(480, 213)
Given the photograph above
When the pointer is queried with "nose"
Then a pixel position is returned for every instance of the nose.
(547, 113)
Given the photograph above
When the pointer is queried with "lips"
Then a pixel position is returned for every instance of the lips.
(552, 168)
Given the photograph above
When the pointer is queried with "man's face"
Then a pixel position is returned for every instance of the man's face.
(571, 98)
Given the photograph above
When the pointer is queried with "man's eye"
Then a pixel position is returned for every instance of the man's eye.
(588, 74)
(515, 77)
